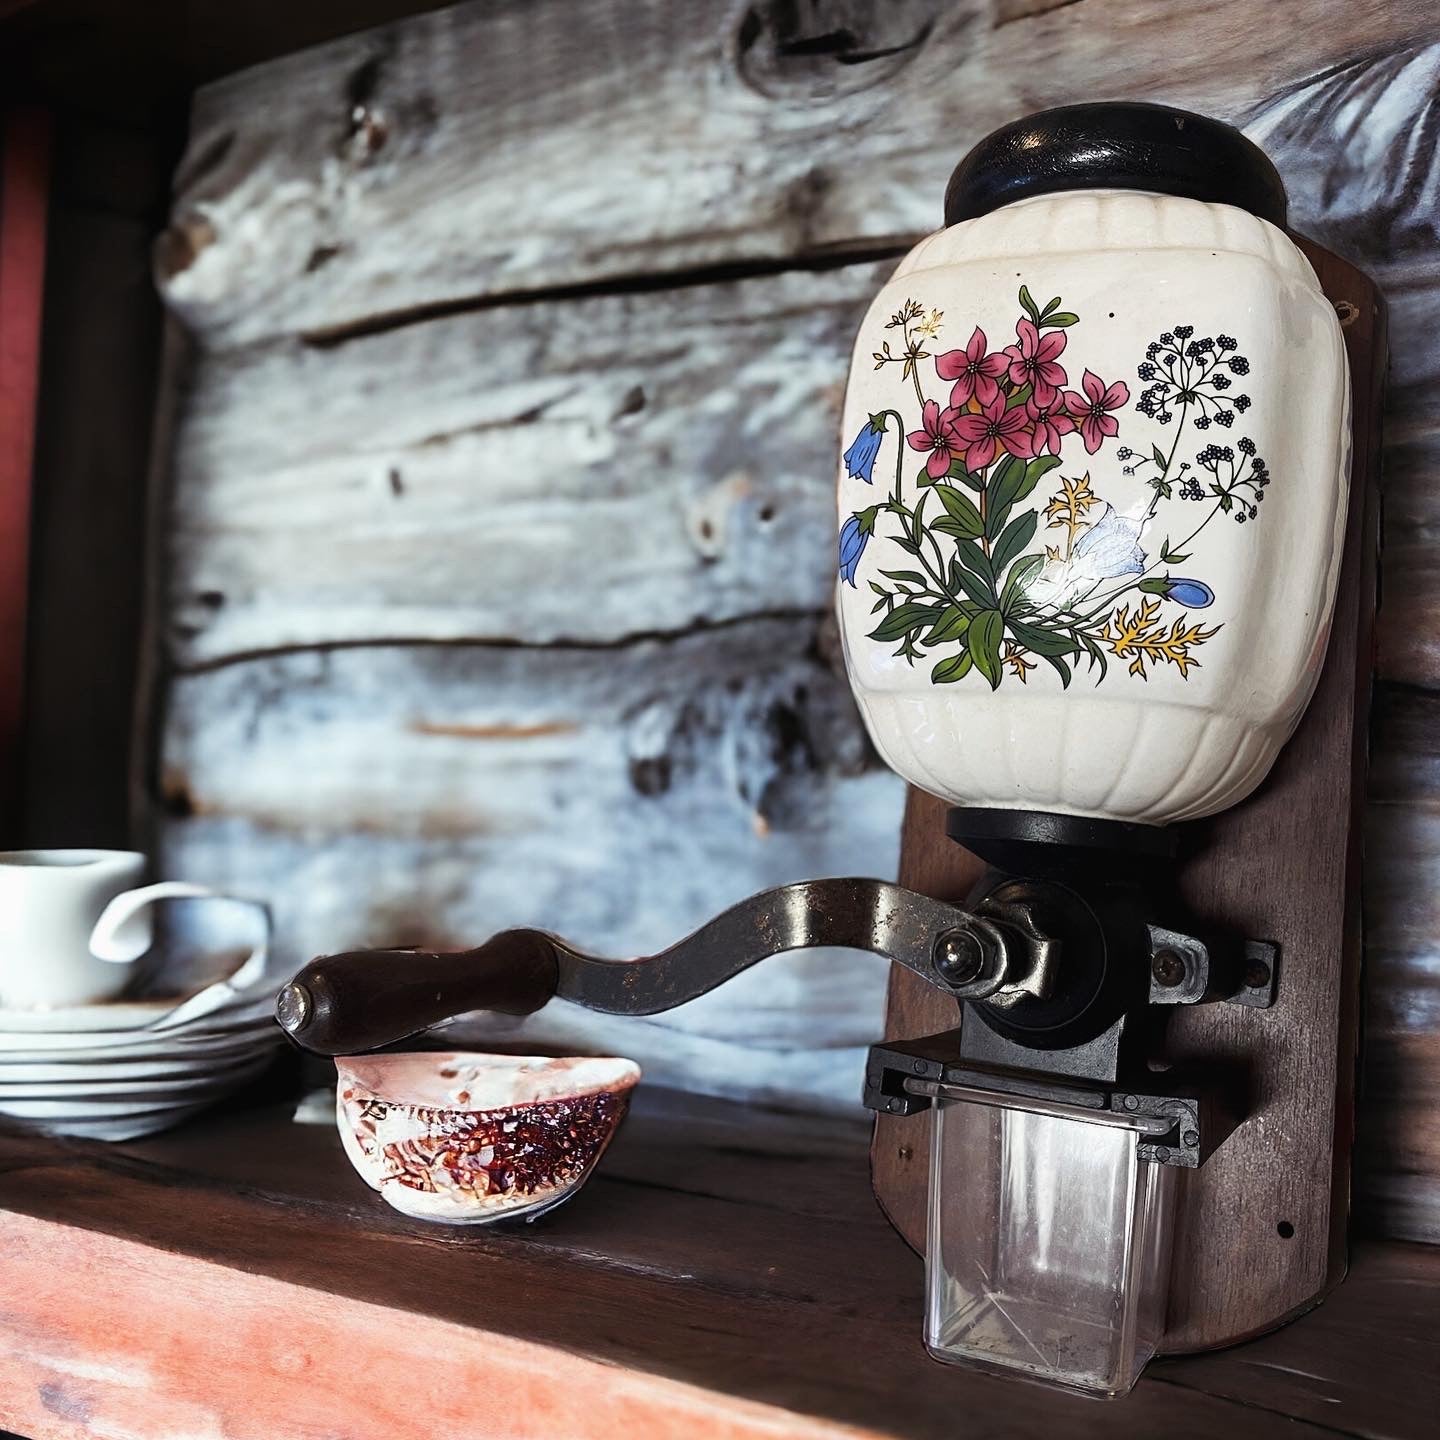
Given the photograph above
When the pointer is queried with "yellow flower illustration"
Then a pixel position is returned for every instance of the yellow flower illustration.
(1139, 639)
(930, 326)
(1014, 657)
(1068, 508)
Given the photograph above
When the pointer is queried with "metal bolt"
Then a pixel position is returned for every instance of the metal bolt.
(1191, 1138)
(919, 1067)
(1168, 969)
(293, 1007)
(959, 957)
(1257, 975)
(1131, 1102)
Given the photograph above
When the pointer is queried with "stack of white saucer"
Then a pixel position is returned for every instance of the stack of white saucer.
(124, 1068)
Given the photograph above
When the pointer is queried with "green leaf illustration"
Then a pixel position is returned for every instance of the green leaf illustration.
(1154, 586)
(952, 625)
(1096, 654)
(958, 472)
(986, 631)
(1169, 556)
(1062, 318)
(1036, 471)
(961, 509)
(953, 528)
(1158, 456)
(957, 667)
(1019, 397)
(1005, 483)
(1051, 307)
(1061, 668)
(1018, 581)
(911, 577)
(905, 618)
(977, 579)
(1041, 641)
(1030, 307)
(1016, 536)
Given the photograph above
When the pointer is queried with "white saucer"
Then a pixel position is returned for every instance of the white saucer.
(235, 1019)
(159, 1089)
(124, 1127)
(133, 1064)
(117, 1014)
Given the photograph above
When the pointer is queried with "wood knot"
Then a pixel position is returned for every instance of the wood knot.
(177, 248)
(811, 50)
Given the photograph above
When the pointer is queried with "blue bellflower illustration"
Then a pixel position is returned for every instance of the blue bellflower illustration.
(854, 537)
(860, 457)
(1193, 594)
(1109, 548)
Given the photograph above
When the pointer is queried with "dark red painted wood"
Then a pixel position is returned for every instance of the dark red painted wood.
(24, 185)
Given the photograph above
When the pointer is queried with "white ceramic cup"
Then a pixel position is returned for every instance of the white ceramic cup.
(75, 925)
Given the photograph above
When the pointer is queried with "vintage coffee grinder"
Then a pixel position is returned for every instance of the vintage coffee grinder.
(1094, 504)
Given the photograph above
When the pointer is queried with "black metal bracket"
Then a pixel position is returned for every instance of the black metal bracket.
(1179, 1124)
(1185, 970)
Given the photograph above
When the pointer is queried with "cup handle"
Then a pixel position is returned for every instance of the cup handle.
(125, 930)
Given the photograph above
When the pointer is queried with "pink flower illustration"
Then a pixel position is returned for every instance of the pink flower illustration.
(938, 437)
(973, 371)
(1032, 361)
(1049, 423)
(993, 430)
(1089, 409)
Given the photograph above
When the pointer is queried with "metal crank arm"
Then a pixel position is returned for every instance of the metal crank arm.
(344, 1004)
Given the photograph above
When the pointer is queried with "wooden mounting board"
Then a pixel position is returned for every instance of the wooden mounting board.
(1284, 866)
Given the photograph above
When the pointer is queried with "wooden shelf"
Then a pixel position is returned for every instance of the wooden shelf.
(727, 1273)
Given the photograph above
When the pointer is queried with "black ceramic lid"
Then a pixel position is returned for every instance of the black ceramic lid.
(1115, 146)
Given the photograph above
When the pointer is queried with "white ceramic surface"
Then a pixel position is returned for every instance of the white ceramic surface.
(468, 1138)
(1122, 542)
(50, 904)
(76, 927)
(163, 1067)
(154, 1089)
(117, 1128)
(117, 1069)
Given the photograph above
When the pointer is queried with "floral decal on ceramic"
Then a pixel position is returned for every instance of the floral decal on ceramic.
(1000, 584)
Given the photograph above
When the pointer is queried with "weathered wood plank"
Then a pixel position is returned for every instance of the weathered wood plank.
(1357, 146)
(573, 471)
(1399, 1132)
(752, 134)
(657, 1303)
(665, 453)
(699, 460)
(619, 796)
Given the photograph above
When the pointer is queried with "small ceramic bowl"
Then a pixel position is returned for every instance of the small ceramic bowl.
(465, 1138)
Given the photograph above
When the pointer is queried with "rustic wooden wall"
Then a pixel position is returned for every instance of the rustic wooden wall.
(499, 536)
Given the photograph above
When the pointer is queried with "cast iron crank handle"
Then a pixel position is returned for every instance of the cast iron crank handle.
(343, 1004)
(363, 999)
